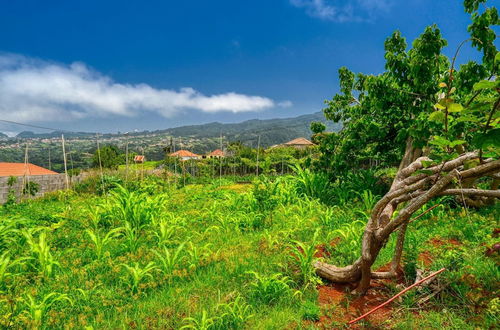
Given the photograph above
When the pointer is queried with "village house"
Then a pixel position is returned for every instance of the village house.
(185, 155)
(217, 153)
(139, 159)
(298, 143)
(22, 169)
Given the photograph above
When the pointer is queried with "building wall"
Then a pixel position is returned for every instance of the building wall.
(47, 183)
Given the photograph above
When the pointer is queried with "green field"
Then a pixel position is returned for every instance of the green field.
(154, 255)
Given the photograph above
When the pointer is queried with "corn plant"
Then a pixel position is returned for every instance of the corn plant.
(165, 231)
(233, 315)
(203, 322)
(168, 261)
(7, 233)
(132, 236)
(41, 256)
(100, 241)
(137, 209)
(304, 257)
(38, 309)
(312, 184)
(196, 255)
(5, 264)
(270, 289)
(136, 275)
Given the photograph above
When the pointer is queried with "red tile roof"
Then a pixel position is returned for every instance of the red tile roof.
(138, 158)
(21, 169)
(183, 153)
(217, 153)
(299, 141)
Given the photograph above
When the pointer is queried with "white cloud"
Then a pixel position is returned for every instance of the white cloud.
(343, 10)
(35, 90)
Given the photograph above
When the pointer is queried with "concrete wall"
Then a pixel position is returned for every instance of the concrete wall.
(47, 183)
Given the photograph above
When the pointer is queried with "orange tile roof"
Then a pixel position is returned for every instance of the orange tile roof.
(183, 153)
(21, 169)
(139, 158)
(216, 152)
(299, 141)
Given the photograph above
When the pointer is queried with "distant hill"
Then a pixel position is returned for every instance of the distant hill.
(271, 131)
(54, 134)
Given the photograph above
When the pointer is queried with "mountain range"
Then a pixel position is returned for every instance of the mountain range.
(268, 131)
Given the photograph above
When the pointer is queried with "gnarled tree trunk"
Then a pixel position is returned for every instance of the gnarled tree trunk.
(409, 191)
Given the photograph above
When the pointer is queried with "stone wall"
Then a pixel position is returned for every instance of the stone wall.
(47, 183)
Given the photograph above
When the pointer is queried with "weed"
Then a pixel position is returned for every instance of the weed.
(202, 322)
(37, 310)
(101, 241)
(137, 274)
(270, 289)
(168, 261)
(233, 315)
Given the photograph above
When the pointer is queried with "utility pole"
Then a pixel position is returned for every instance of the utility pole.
(65, 162)
(258, 149)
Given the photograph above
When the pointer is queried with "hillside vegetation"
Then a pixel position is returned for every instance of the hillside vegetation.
(229, 256)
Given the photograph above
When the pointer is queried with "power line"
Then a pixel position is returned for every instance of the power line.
(36, 126)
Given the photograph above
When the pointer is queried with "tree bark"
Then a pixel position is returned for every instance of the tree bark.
(409, 192)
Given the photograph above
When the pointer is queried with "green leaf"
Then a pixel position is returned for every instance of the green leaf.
(485, 84)
(439, 106)
(437, 116)
(455, 107)
(456, 143)
(467, 118)
(497, 57)
(427, 163)
(488, 139)
(440, 141)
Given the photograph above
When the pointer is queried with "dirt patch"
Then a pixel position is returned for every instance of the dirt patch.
(425, 258)
(340, 306)
(323, 249)
(438, 242)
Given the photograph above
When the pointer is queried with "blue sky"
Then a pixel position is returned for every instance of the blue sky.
(122, 65)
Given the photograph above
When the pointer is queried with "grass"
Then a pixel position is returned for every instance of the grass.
(212, 256)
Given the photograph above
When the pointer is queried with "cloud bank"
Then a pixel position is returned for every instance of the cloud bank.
(36, 90)
(341, 11)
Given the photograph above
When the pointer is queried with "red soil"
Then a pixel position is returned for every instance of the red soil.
(345, 307)
(426, 257)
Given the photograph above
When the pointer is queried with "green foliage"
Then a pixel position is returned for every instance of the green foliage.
(202, 322)
(31, 188)
(313, 184)
(40, 258)
(137, 275)
(233, 315)
(311, 311)
(168, 261)
(108, 156)
(210, 270)
(101, 240)
(271, 289)
(303, 256)
(417, 98)
(37, 309)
